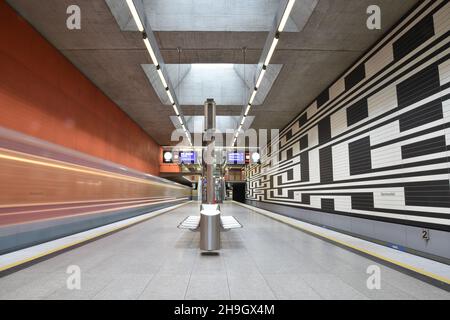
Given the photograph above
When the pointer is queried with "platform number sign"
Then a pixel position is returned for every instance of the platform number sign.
(426, 234)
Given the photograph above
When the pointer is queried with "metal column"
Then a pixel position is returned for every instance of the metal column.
(209, 127)
(210, 213)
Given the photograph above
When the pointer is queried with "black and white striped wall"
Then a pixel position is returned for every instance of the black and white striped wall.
(370, 156)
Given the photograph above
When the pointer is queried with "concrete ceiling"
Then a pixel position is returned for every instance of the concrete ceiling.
(330, 41)
(204, 15)
(193, 82)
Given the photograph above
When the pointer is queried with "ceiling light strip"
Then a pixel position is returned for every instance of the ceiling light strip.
(247, 110)
(176, 109)
(150, 49)
(135, 15)
(261, 76)
(253, 96)
(170, 96)
(280, 28)
(286, 14)
(140, 26)
(272, 49)
(161, 76)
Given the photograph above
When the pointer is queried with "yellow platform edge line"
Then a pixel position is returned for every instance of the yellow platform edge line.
(286, 220)
(88, 238)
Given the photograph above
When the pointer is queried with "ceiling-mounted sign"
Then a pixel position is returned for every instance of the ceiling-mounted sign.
(187, 157)
(236, 158)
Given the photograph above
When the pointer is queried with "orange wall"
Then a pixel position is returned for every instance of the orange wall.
(167, 167)
(42, 94)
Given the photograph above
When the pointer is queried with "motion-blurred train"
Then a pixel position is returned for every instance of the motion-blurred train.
(47, 191)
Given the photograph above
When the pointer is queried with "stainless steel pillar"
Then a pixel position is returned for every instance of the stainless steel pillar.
(210, 114)
(210, 213)
(210, 126)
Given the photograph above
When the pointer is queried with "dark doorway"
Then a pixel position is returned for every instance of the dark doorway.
(239, 192)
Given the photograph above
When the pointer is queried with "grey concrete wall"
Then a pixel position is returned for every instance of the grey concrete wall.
(401, 237)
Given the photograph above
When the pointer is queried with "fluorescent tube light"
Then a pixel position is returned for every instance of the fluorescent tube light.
(135, 15)
(261, 75)
(252, 97)
(247, 110)
(161, 76)
(170, 97)
(175, 109)
(271, 50)
(150, 51)
(286, 14)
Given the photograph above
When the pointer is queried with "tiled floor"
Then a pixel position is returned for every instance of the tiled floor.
(264, 260)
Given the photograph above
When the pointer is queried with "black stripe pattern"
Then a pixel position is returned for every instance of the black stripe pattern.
(380, 149)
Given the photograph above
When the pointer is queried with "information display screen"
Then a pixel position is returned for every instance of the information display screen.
(188, 157)
(236, 157)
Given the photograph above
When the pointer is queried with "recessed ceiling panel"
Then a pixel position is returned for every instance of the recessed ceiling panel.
(195, 124)
(203, 15)
(227, 84)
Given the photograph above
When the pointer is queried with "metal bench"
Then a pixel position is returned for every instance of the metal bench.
(229, 222)
(193, 223)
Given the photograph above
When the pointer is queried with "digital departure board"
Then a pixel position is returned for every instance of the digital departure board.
(187, 157)
(236, 157)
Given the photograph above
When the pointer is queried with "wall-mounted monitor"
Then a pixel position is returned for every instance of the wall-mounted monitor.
(187, 157)
(236, 158)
